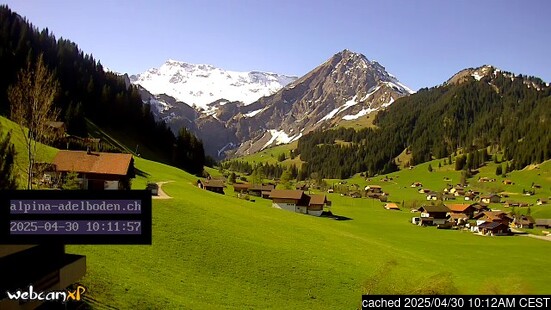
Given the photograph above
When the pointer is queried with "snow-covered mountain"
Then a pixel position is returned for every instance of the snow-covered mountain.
(346, 87)
(199, 85)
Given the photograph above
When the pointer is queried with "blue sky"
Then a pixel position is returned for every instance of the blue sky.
(422, 42)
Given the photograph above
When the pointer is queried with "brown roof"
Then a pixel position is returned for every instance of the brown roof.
(459, 216)
(241, 186)
(458, 207)
(373, 186)
(286, 194)
(213, 183)
(318, 199)
(257, 187)
(100, 163)
(435, 209)
(392, 205)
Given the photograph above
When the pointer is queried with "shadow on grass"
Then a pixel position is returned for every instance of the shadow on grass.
(329, 214)
(141, 173)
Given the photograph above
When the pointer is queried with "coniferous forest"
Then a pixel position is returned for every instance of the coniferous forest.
(88, 92)
(507, 113)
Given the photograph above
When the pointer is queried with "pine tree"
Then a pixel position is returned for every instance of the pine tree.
(499, 170)
(231, 178)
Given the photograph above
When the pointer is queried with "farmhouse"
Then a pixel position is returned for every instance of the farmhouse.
(545, 223)
(216, 186)
(261, 190)
(493, 216)
(416, 184)
(424, 191)
(391, 206)
(508, 182)
(373, 189)
(459, 218)
(97, 171)
(58, 128)
(524, 221)
(541, 201)
(433, 215)
(433, 196)
(510, 204)
(462, 208)
(493, 229)
(298, 201)
(241, 188)
(492, 198)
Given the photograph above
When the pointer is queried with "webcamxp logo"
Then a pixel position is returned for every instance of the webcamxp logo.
(61, 296)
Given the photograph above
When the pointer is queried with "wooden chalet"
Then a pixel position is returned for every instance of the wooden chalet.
(298, 201)
(216, 186)
(541, 202)
(261, 190)
(493, 216)
(96, 170)
(462, 208)
(524, 221)
(508, 182)
(433, 196)
(543, 223)
(241, 188)
(433, 215)
(458, 219)
(373, 189)
(492, 198)
(494, 229)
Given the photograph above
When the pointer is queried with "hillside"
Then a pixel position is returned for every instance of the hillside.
(260, 257)
(476, 109)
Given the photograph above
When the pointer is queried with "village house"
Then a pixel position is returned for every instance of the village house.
(524, 221)
(391, 206)
(458, 219)
(448, 196)
(433, 196)
(241, 188)
(424, 191)
(433, 215)
(373, 189)
(508, 182)
(216, 186)
(298, 201)
(96, 170)
(462, 208)
(456, 189)
(541, 202)
(494, 229)
(510, 204)
(492, 198)
(261, 190)
(492, 216)
(543, 223)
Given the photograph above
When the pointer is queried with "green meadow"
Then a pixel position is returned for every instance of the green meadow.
(211, 250)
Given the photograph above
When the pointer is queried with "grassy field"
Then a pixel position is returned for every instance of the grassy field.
(270, 155)
(218, 251)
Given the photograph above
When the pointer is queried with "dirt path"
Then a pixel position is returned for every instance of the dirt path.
(547, 238)
(161, 194)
